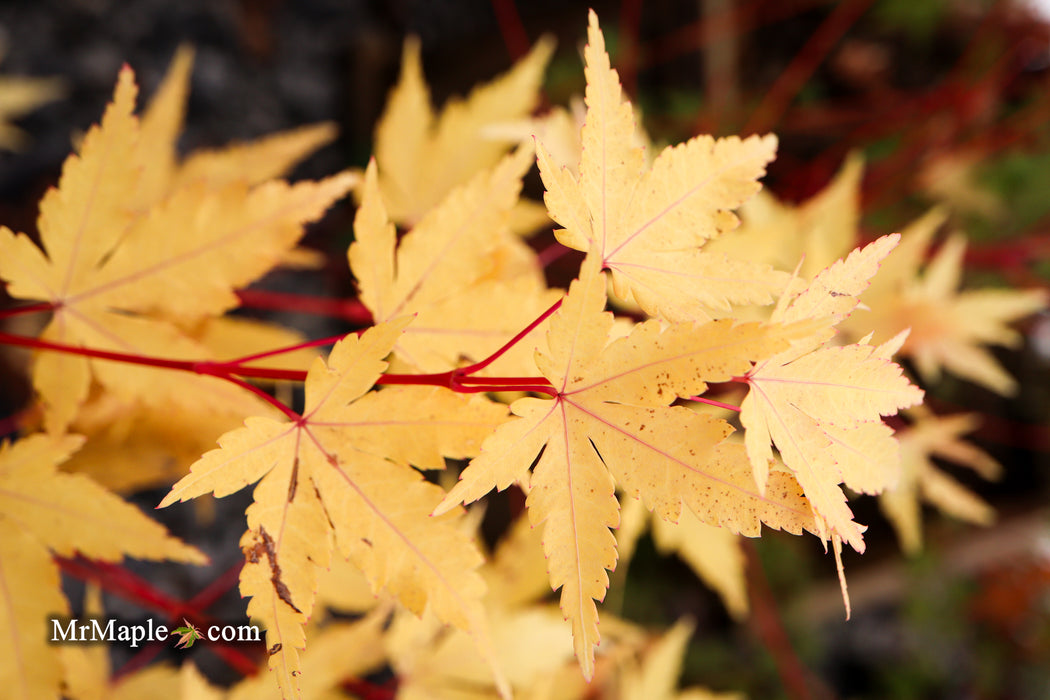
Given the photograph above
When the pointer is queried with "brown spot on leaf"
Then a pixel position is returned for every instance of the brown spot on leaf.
(264, 546)
(274, 649)
(293, 483)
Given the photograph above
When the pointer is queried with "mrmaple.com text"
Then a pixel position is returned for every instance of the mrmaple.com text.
(75, 630)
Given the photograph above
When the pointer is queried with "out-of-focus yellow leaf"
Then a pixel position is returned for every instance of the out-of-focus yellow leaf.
(423, 156)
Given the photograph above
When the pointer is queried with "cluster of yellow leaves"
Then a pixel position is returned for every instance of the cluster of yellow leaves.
(138, 251)
(948, 328)
(142, 254)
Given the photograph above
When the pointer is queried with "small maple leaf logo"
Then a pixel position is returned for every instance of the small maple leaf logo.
(189, 635)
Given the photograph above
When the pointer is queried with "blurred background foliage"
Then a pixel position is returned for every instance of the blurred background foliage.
(948, 100)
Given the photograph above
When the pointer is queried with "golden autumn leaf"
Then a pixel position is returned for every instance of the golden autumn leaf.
(949, 326)
(423, 156)
(928, 437)
(454, 270)
(648, 224)
(655, 677)
(134, 444)
(822, 405)
(29, 579)
(339, 475)
(119, 279)
(250, 163)
(816, 232)
(43, 512)
(611, 422)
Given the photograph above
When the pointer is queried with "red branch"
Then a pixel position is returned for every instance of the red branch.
(27, 309)
(350, 310)
(513, 31)
(235, 371)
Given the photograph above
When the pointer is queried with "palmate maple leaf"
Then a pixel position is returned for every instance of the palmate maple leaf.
(253, 162)
(611, 422)
(816, 232)
(648, 225)
(424, 156)
(340, 471)
(928, 437)
(120, 278)
(459, 270)
(43, 512)
(949, 326)
(821, 405)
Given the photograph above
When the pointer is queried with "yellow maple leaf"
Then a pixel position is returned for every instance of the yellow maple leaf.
(655, 676)
(949, 327)
(115, 276)
(822, 405)
(456, 270)
(818, 231)
(648, 224)
(250, 163)
(422, 157)
(134, 444)
(339, 473)
(928, 437)
(611, 422)
(45, 511)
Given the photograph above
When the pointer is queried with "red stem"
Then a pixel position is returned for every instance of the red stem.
(350, 310)
(456, 380)
(511, 29)
(712, 402)
(27, 309)
(478, 366)
(217, 588)
(273, 401)
(121, 582)
(330, 340)
(550, 254)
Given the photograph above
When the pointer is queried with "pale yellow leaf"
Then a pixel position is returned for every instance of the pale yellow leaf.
(30, 594)
(69, 513)
(227, 237)
(322, 481)
(950, 328)
(257, 161)
(648, 224)
(922, 480)
(424, 156)
(471, 284)
(816, 232)
(611, 419)
(159, 130)
(113, 271)
(516, 572)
